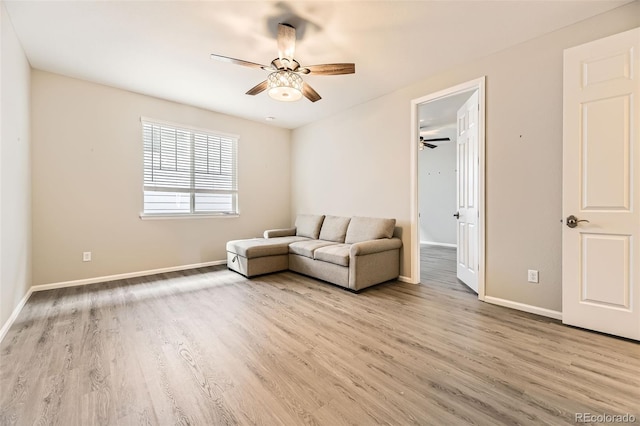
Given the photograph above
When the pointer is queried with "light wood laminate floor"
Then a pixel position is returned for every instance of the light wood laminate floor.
(210, 347)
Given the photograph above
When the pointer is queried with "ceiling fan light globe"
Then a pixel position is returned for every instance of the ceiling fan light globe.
(285, 86)
(286, 94)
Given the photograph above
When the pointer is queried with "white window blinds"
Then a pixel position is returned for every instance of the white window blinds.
(188, 171)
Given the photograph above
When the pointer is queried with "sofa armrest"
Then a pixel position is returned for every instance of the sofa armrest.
(273, 233)
(374, 246)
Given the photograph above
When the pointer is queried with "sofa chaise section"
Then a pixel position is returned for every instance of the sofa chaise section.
(258, 256)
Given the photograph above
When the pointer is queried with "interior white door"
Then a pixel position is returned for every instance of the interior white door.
(601, 187)
(467, 192)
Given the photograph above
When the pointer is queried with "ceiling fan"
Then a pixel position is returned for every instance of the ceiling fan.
(425, 142)
(285, 82)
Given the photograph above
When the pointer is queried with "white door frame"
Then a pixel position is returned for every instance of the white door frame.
(478, 84)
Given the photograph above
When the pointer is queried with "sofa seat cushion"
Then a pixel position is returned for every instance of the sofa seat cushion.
(335, 253)
(369, 228)
(334, 228)
(308, 247)
(260, 247)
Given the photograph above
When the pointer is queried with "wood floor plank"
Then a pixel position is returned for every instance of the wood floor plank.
(208, 346)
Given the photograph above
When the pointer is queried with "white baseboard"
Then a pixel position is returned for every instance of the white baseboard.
(404, 279)
(107, 278)
(7, 325)
(433, 243)
(524, 307)
(5, 328)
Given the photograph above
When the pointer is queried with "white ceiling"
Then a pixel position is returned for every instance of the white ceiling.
(438, 118)
(441, 112)
(161, 48)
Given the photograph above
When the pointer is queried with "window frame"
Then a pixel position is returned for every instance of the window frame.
(191, 191)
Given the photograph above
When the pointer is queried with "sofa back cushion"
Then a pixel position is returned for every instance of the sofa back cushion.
(308, 225)
(369, 228)
(334, 228)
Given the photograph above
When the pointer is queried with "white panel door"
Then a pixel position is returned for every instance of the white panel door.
(467, 198)
(601, 168)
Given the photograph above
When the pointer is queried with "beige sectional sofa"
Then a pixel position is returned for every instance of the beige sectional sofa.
(355, 252)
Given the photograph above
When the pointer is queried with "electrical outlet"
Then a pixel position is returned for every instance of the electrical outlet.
(86, 256)
(532, 276)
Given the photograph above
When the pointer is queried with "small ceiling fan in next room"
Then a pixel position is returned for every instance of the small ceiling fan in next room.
(427, 142)
(284, 83)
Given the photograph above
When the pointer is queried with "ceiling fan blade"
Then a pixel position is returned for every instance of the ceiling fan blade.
(309, 93)
(286, 42)
(239, 62)
(329, 69)
(430, 145)
(258, 88)
(434, 139)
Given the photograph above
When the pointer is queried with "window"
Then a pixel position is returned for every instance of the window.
(188, 171)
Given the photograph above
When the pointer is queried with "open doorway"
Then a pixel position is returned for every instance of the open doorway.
(448, 178)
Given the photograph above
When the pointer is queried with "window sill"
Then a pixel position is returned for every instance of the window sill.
(145, 216)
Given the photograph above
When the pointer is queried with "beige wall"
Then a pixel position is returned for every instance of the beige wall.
(15, 184)
(357, 162)
(87, 183)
